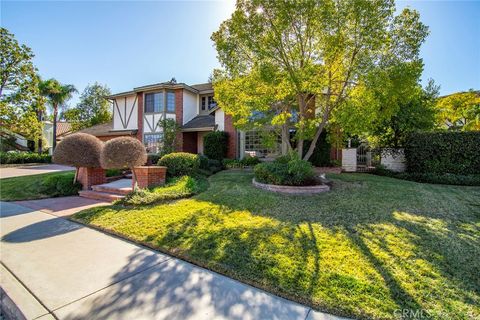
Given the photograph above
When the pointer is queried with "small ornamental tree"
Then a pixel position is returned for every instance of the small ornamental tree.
(79, 150)
(216, 145)
(123, 152)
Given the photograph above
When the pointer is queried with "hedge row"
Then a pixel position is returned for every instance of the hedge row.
(435, 178)
(24, 157)
(443, 152)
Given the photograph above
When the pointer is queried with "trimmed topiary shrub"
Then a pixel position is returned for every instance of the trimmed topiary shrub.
(123, 152)
(79, 150)
(180, 163)
(443, 152)
(286, 170)
(215, 145)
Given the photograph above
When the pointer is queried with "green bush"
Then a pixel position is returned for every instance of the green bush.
(203, 162)
(245, 162)
(215, 145)
(177, 188)
(434, 178)
(113, 172)
(443, 152)
(152, 159)
(294, 172)
(59, 186)
(180, 163)
(24, 157)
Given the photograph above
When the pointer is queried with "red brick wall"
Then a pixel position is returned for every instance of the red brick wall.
(190, 142)
(149, 176)
(140, 116)
(232, 137)
(179, 116)
(89, 177)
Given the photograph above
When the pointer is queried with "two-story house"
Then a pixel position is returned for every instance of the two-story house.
(137, 113)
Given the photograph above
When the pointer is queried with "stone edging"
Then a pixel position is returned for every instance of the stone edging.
(298, 190)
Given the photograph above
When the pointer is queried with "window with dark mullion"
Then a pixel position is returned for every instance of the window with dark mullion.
(204, 103)
(154, 102)
(170, 101)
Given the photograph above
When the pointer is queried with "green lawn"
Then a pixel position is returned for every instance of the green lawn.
(37, 186)
(369, 247)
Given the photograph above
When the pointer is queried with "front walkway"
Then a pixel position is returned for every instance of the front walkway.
(52, 266)
(28, 170)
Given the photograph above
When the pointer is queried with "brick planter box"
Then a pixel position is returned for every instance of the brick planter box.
(298, 190)
(149, 176)
(89, 177)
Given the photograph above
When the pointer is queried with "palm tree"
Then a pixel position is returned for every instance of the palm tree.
(57, 94)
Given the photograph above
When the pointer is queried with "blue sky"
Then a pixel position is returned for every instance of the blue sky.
(126, 44)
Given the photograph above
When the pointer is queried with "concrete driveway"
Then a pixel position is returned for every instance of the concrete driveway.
(53, 267)
(27, 170)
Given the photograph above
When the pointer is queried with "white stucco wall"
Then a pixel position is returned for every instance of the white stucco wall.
(349, 159)
(394, 161)
(200, 136)
(220, 119)
(189, 106)
(125, 113)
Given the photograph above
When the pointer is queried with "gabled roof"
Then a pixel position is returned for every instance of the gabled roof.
(203, 87)
(63, 128)
(196, 88)
(200, 123)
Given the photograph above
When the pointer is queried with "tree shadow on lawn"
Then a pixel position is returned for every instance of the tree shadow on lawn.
(369, 247)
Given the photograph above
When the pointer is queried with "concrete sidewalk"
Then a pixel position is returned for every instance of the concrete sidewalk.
(55, 268)
(28, 170)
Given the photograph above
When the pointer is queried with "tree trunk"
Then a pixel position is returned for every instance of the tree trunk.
(286, 146)
(76, 175)
(314, 141)
(55, 112)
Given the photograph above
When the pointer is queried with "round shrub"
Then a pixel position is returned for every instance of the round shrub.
(79, 150)
(123, 152)
(286, 170)
(215, 145)
(180, 163)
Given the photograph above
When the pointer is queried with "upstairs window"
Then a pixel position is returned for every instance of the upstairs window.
(170, 101)
(154, 102)
(211, 103)
(204, 103)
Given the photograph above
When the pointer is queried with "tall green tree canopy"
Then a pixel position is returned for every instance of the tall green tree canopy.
(92, 109)
(57, 95)
(298, 63)
(20, 101)
(459, 111)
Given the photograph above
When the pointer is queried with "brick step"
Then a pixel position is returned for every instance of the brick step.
(105, 196)
(113, 190)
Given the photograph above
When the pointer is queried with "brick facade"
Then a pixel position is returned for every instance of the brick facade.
(232, 137)
(190, 142)
(89, 177)
(149, 176)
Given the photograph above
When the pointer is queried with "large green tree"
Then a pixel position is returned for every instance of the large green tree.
(56, 95)
(296, 64)
(21, 105)
(459, 111)
(92, 109)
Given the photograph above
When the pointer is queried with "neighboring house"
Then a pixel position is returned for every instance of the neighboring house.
(63, 129)
(137, 113)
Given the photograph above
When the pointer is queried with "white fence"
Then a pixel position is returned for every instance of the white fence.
(391, 159)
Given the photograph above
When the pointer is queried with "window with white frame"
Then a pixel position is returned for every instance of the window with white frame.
(254, 145)
(153, 142)
(170, 101)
